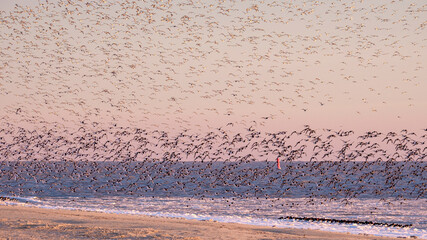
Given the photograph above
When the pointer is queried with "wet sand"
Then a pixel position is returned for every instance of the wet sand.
(17, 222)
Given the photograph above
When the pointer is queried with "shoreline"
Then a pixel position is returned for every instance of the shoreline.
(27, 222)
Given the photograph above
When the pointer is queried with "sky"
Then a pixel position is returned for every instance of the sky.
(173, 65)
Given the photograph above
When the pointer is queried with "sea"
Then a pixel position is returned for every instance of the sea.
(382, 198)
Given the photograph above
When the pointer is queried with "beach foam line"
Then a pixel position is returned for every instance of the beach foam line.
(338, 227)
(33, 200)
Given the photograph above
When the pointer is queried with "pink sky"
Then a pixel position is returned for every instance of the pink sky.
(346, 65)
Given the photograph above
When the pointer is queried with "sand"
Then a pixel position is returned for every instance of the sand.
(17, 222)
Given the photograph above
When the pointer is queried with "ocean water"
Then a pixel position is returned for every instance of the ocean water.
(255, 193)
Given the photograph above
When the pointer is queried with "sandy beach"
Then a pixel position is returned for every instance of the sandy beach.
(18, 222)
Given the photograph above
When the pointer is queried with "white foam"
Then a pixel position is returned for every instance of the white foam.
(20, 200)
(199, 210)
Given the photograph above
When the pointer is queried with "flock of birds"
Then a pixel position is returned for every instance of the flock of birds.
(127, 161)
(182, 63)
(72, 72)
